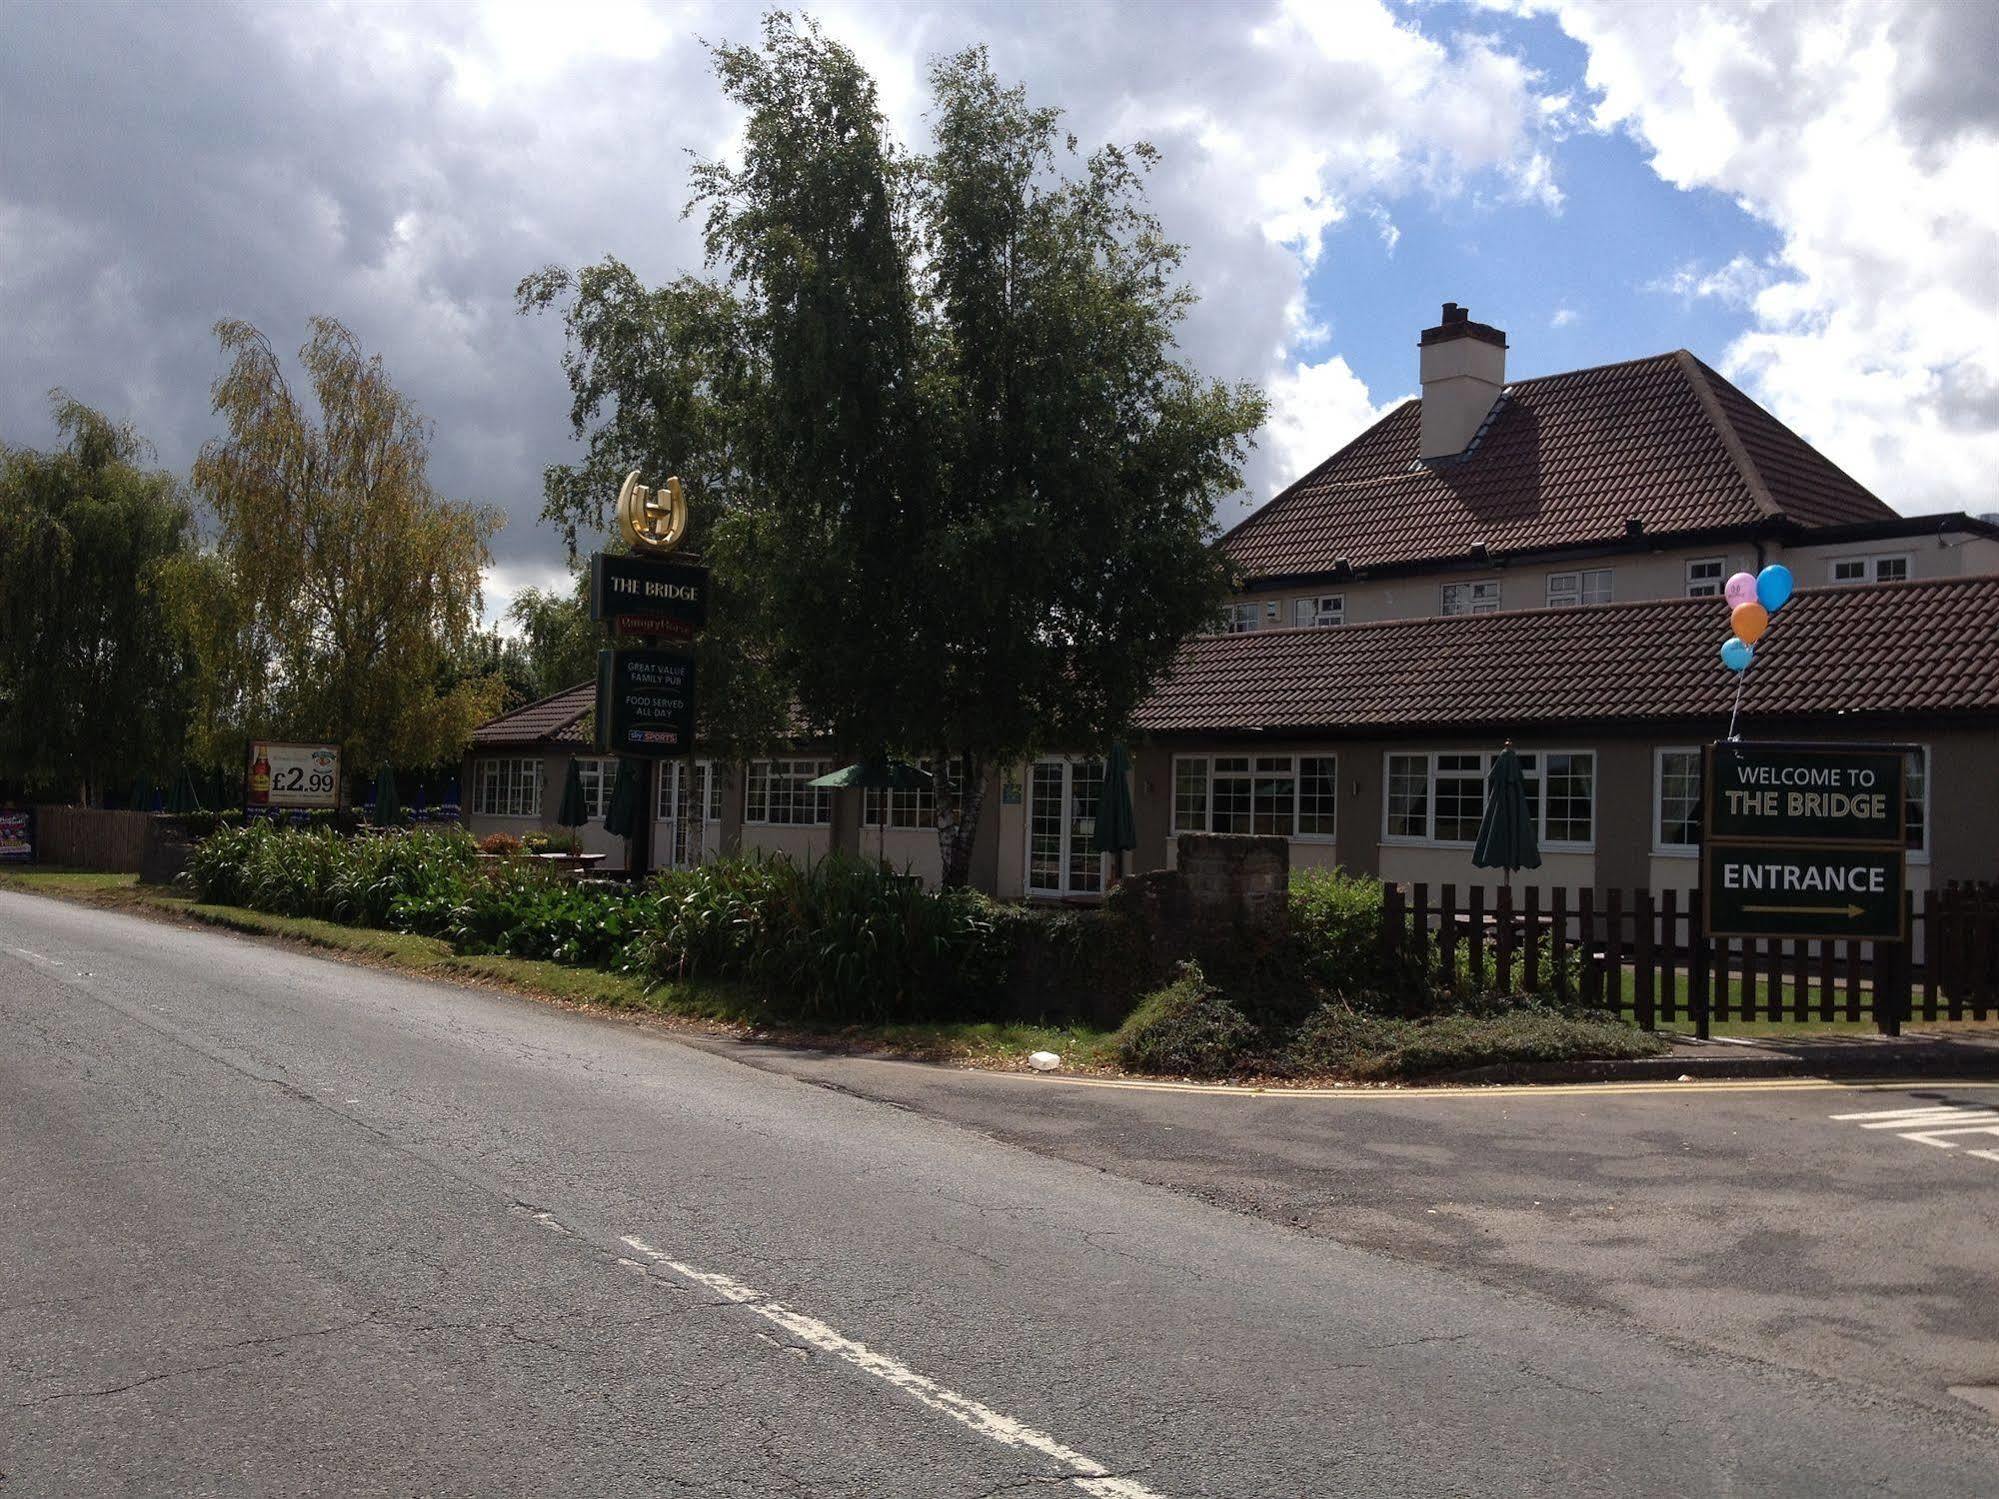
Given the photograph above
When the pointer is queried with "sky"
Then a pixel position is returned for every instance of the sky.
(1800, 193)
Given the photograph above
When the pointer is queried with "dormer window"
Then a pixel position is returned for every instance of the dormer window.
(1319, 611)
(1472, 598)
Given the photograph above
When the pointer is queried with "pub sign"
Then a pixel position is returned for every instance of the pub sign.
(645, 702)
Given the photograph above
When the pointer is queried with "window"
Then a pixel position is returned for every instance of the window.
(1591, 585)
(1240, 619)
(1704, 577)
(672, 799)
(1440, 798)
(598, 777)
(508, 788)
(1472, 598)
(915, 808)
(1676, 800)
(1884, 568)
(1916, 796)
(1285, 796)
(775, 794)
(1317, 613)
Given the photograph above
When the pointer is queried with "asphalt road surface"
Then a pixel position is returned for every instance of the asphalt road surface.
(279, 1225)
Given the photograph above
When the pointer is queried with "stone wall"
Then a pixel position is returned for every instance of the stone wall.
(1237, 886)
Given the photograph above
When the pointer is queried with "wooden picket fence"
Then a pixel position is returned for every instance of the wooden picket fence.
(1642, 953)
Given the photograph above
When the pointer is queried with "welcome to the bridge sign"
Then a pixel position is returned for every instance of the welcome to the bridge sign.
(1804, 840)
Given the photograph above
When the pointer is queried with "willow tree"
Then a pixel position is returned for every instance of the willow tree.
(341, 587)
(959, 483)
(92, 684)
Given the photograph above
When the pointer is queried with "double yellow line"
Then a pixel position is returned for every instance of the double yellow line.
(1519, 1090)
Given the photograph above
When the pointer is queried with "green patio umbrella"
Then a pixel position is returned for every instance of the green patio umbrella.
(1506, 832)
(573, 812)
(877, 773)
(1117, 827)
(141, 798)
(388, 806)
(621, 818)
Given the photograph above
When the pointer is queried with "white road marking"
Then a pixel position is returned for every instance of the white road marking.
(1091, 1476)
(1934, 1124)
(22, 952)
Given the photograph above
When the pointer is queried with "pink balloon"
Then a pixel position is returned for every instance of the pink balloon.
(1740, 589)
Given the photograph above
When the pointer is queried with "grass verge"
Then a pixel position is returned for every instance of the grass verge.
(712, 1006)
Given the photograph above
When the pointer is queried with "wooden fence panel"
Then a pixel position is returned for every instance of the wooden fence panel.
(91, 838)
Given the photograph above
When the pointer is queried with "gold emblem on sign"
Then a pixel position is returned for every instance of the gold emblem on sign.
(651, 520)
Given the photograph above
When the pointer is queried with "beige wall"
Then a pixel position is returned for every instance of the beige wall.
(1638, 575)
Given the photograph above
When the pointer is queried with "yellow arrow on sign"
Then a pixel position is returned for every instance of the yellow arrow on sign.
(1807, 910)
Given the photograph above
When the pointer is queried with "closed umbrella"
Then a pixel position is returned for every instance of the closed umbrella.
(388, 807)
(1117, 827)
(574, 811)
(1506, 833)
(621, 818)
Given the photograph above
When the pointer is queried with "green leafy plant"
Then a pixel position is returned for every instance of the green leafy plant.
(1189, 1028)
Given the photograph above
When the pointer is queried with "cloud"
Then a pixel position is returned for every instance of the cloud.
(1866, 133)
(1736, 284)
(1315, 410)
(401, 169)
(1563, 317)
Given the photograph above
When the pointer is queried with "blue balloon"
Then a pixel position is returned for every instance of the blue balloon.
(1736, 653)
(1773, 586)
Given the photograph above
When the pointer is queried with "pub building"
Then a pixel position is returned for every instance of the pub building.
(1541, 562)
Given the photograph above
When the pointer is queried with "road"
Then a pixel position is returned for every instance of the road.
(280, 1225)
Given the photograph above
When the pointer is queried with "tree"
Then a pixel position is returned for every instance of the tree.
(93, 686)
(959, 488)
(557, 638)
(342, 587)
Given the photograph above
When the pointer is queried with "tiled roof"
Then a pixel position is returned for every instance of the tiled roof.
(1565, 460)
(1929, 648)
(552, 720)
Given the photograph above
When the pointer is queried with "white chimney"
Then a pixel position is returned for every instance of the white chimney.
(1463, 367)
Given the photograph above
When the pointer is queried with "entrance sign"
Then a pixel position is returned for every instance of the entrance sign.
(1804, 840)
(293, 775)
(1804, 890)
(648, 596)
(1822, 791)
(645, 703)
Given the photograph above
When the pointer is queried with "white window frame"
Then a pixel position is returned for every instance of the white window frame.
(506, 782)
(917, 807)
(1660, 847)
(1538, 759)
(1919, 853)
(664, 790)
(1321, 611)
(1295, 772)
(1572, 589)
(599, 777)
(1473, 602)
(763, 778)
(1870, 564)
(1246, 616)
(1707, 588)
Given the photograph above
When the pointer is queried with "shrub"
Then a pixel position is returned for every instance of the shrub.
(1189, 1027)
(1337, 1039)
(1336, 933)
(528, 911)
(837, 939)
(506, 845)
(316, 872)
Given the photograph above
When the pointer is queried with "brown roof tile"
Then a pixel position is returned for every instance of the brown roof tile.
(1566, 460)
(552, 720)
(1928, 648)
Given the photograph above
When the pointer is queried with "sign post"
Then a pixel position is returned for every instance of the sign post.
(645, 697)
(1807, 840)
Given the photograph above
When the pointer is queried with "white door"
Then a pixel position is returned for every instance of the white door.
(1062, 857)
(690, 829)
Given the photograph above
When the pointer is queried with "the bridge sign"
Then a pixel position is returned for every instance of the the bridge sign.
(1806, 791)
(645, 703)
(1804, 840)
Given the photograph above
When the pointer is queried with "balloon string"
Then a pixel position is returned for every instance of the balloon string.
(1740, 678)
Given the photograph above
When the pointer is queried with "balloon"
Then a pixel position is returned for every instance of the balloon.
(1736, 654)
(1740, 589)
(1773, 586)
(1749, 621)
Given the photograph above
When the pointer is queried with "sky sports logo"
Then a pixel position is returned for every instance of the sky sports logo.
(652, 736)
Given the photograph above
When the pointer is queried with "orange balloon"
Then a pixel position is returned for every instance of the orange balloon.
(1749, 621)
